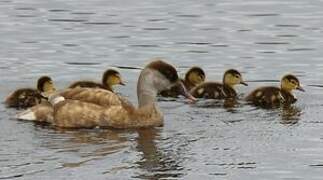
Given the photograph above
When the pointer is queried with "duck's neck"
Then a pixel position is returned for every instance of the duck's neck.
(108, 87)
(146, 91)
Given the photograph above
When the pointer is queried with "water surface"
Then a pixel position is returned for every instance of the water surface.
(71, 40)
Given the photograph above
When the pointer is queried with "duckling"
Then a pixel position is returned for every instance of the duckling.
(193, 77)
(270, 96)
(154, 78)
(110, 78)
(215, 90)
(28, 97)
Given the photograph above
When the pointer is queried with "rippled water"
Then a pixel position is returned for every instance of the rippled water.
(71, 39)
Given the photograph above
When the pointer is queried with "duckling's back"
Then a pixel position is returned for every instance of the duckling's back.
(213, 90)
(268, 96)
(88, 84)
(23, 98)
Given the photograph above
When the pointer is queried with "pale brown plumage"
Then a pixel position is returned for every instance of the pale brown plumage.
(88, 108)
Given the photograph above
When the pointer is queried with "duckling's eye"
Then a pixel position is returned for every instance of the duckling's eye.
(293, 82)
(237, 76)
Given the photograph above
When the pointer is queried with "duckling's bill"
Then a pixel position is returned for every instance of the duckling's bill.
(300, 88)
(243, 83)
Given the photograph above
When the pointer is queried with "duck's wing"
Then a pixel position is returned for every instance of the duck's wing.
(77, 114)
(92, 95)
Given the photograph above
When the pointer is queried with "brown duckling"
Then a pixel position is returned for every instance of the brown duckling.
(215, 90)
(27, 97)
(193, 77)
(271, 96)
(68, 113)
(109, 79)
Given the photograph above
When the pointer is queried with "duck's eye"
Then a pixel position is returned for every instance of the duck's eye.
(237, 76)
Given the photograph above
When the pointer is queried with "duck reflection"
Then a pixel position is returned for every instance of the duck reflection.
(290, 115)
(155, 162)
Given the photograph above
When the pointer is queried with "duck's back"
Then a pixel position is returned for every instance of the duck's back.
(213, 90)
(23, 98)
(266, 96)
(92, 95)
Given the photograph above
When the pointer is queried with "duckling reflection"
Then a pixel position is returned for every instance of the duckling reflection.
(290, 114)
(154, 161)
(228, 104)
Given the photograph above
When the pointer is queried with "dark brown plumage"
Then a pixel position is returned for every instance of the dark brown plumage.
(164, 68)
(107, 81)
(28, 97)
(270, 96)
(215, 90)
(193, 77)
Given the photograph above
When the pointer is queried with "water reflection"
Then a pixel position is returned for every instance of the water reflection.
(290, 115)
(155, 163)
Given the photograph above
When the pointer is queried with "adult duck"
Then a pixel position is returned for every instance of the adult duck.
(154, 78)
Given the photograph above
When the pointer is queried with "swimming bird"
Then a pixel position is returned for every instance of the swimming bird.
(109, 79)
(154, 78)
(193, 77)
(270, 96)
(28, 97)
(216, 90)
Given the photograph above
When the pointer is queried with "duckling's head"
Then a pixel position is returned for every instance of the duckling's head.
(163, 76)
(112, 77)
(45, 85)
(233, 77)
(290, 82)
(195, 75)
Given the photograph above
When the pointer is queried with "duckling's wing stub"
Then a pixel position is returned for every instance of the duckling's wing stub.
(23, 98)
(266, 97)
(209, 90)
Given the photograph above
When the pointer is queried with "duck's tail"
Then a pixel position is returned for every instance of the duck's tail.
(27, 115)
(39, 113)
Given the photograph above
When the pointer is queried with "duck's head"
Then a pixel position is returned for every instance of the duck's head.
(45, 85)
(164, 76)
(290, 82)
(112, 77)
(195, 75)
(233, 77)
